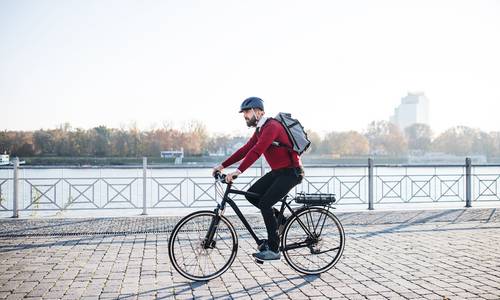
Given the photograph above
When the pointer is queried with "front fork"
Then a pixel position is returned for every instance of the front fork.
(208, 242)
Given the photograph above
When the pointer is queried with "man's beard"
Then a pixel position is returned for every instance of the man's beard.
(251, 122)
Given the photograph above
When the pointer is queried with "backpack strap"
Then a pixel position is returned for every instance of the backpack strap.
(257, 130)
(277, 143)
(288, 148)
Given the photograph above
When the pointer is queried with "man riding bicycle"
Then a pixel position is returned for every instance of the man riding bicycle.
(286, 169)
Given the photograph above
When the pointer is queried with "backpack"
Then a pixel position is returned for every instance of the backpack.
(295, 131)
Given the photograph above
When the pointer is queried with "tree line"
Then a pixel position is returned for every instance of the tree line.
(380, 138)
(385, 138)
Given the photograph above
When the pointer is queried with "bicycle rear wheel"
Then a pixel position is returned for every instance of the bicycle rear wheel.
(193, 256)
(313, 241)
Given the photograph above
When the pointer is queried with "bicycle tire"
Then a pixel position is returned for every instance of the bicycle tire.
(295, 236)
(178, 249)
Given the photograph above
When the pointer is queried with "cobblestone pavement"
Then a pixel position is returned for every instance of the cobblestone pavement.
(447, 254)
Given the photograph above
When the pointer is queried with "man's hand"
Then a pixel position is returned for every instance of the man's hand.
(219, 168)
(230, 176)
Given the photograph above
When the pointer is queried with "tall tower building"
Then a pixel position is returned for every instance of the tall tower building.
(414, 108)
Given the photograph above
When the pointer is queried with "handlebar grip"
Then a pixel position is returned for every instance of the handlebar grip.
(222, 177)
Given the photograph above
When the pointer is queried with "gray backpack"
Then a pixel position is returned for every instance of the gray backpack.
(295, 131)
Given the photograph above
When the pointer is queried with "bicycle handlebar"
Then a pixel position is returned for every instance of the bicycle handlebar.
(220, 177)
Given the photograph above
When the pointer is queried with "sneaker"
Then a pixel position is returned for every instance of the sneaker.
(267, 255)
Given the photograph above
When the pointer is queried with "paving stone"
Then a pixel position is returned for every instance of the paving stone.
(388, 255)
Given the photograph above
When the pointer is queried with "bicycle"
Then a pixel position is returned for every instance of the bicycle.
(204, 244)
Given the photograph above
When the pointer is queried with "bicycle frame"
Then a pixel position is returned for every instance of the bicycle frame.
(227, 200)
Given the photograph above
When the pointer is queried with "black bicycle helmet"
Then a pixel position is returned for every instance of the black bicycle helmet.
(252, 102)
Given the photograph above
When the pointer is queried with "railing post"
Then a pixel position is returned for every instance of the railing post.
(15, 207)
(262, 168)
(468, 182)
(370, 183)
(144, 186)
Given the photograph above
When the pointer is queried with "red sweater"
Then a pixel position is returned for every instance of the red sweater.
(261, 142)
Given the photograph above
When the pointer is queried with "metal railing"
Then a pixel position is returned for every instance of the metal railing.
(368, 184)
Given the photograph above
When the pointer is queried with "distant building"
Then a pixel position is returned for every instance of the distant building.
(228, 150)
(4, 159)
(414, 108)
(177, 154)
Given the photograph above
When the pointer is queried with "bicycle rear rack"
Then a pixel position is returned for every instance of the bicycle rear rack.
(315, 199)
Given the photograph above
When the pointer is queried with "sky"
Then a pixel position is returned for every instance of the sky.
(335, 65)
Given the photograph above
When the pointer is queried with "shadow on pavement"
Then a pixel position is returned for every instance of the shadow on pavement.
(406, 225)
(66, 242)
(26, 229)
(192, 286)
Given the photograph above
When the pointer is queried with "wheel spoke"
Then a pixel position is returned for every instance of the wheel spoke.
(187, 253)
(317, 253)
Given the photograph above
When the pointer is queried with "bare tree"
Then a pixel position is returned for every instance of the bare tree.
(315, 141)
(349, 143)
(385, 138)
(461, 140)
(419, 137)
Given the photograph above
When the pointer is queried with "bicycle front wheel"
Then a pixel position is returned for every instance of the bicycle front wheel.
(313, 241)
(197, 258)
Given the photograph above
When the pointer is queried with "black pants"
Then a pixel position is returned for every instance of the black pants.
(272, 187)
